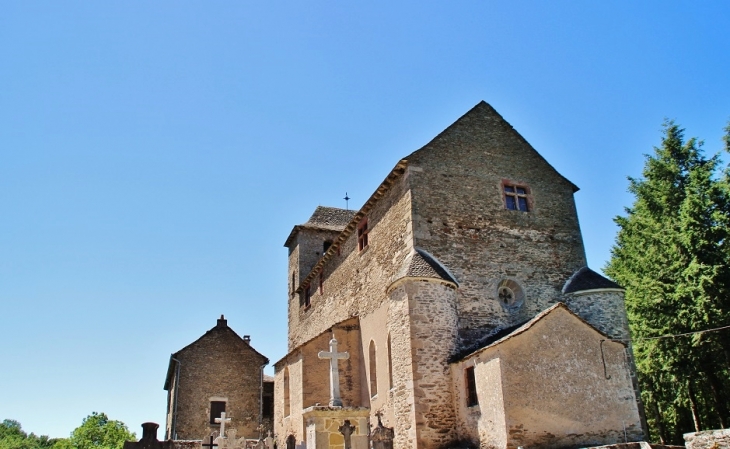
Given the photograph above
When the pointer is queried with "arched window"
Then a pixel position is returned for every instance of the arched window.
(390, 365)
(291, 442)
(287, 409)
(373, 369)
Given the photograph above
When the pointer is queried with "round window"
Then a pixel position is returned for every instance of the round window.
(510, 295)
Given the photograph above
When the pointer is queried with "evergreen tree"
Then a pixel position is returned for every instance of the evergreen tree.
(671, 255)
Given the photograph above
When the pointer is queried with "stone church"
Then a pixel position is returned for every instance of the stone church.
(220, 372)
(456, 308)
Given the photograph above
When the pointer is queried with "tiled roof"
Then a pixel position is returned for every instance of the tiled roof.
(587, 279)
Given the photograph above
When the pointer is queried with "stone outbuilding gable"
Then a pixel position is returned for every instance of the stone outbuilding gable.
(467, 238)
(586, 396)
(219, 367)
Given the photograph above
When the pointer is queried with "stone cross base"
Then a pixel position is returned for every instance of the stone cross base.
(323, 427)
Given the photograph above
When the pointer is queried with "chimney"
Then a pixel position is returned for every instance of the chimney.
(149, 431)
(247, 339)
(222, 322)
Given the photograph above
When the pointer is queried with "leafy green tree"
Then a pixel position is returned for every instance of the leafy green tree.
(97, 431)
(12, 436)
(671, 255)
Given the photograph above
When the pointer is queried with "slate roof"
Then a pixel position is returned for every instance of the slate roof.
(587, 279)
(330, 218)
(326, 218)
(423, 265)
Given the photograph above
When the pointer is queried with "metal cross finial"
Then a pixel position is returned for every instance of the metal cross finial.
(347, 201)
(223, 420)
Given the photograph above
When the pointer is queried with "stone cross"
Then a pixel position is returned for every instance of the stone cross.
(334, 356)
(223, 420)
(347, 430)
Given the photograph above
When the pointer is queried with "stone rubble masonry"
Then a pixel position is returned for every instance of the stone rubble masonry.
(708, 439)
(447, 200)
(220, 365)
(309, 379)
(459, 216)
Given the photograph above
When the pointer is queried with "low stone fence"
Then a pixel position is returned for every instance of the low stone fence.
(708, 439)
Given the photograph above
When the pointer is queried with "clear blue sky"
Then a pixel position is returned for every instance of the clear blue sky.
(155, 155)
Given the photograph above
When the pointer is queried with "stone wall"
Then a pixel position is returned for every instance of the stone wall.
(459, 216)
(218, 366)
(309, 379)
(603, 309)
(354, 282)
(708, 439)
(434, 324)
(548, 375)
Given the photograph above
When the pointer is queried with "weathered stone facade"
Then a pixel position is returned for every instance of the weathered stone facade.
(218, 367)
(469, 237)
(536, 393)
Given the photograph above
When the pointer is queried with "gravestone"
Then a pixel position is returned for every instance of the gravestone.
(222, 421)
(149, 439)
(347, 429)
(269, 441)
(382, 437)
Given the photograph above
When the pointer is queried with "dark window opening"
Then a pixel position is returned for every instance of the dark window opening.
(305, 297)
(326, 245)
(216, 408)
(515, 197)
(267, 407)
(471, 387)
(362, 234)
(321, 284)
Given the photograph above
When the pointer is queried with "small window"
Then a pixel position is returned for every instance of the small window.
(510, 295)
(362, 234)
(326, 245)
(321, 284)
(216, 408)
(305, 297)
(515, 197)
(390, 365)
(287, 405)
(471, 387)
(373, 371)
